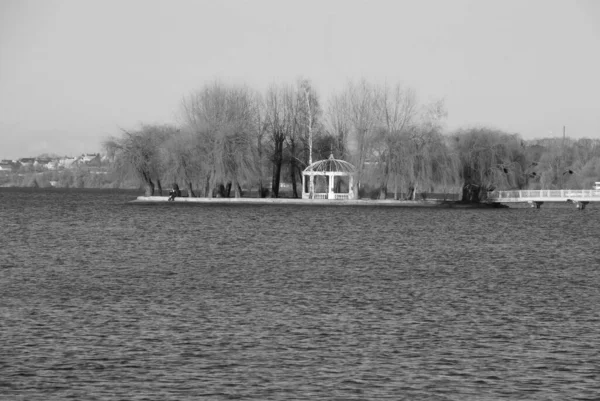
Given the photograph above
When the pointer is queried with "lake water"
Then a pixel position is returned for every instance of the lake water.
(101, 299)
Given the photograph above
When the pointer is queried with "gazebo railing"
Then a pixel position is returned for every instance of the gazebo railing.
(325, 196)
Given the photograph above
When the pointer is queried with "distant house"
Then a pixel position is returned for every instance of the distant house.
(52, 164)
(42, 162)
(26, 161)
(92, 159)
(67, 162)
(6, 165)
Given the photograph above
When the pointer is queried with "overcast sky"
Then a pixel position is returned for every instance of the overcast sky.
(73, 72)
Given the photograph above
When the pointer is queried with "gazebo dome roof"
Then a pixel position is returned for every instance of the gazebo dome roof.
(331, 165)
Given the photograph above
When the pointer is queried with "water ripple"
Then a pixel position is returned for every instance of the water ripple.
(104, 300)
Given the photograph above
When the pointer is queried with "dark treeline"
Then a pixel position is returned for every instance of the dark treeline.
(233, 139)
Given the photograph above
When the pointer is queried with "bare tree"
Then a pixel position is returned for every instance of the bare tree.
(202, 112)
(138, 153)
(295, 105)
(428, 158)
(396, 109)
(337, 123)
(279, 120)
(362, 116)
(260, 131)
(235, 161)
(182, 159)
(223, 121)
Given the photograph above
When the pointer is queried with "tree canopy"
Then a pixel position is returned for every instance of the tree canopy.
(233, 139)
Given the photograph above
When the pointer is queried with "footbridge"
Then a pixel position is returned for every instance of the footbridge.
(536, 198)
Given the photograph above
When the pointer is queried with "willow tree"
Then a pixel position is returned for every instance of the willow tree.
(590, 172)
(202, 112)
(396, 108)
(424, 161)
(181, 155)
(137, 153)
(361, 111)
(234, 151)
(488, 159)
(337, 123)
(562, 163)
(583, 156)
(422, 157)
(222, 119)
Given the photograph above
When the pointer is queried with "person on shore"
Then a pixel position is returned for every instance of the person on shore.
(175, 192)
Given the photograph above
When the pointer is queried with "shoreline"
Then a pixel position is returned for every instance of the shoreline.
(315, 202)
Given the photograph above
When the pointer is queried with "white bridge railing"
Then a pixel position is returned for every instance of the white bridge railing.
(548, 194)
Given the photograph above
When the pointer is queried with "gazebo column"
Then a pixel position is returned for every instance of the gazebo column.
(350, 185)
(331, 180)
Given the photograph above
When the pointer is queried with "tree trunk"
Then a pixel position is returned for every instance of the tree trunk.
(190, 192)
(149, 188)
(470, 193)
(149, 185)
(238, 191)
(275, 181)
(227, 190)
(210, 185)
(293, 177)
(262, 191)
(386, 177)
(293, 168)
(261, 188)
(158, 187)
(277, 161)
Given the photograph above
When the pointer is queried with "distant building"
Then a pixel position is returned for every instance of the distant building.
(52, 164)
(26, 161)
(7, 165)
(92, 159)
(67, 162)
(42, 162)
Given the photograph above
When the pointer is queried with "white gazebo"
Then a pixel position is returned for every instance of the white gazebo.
(329, 179)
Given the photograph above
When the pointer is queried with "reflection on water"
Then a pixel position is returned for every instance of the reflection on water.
(102, 299)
